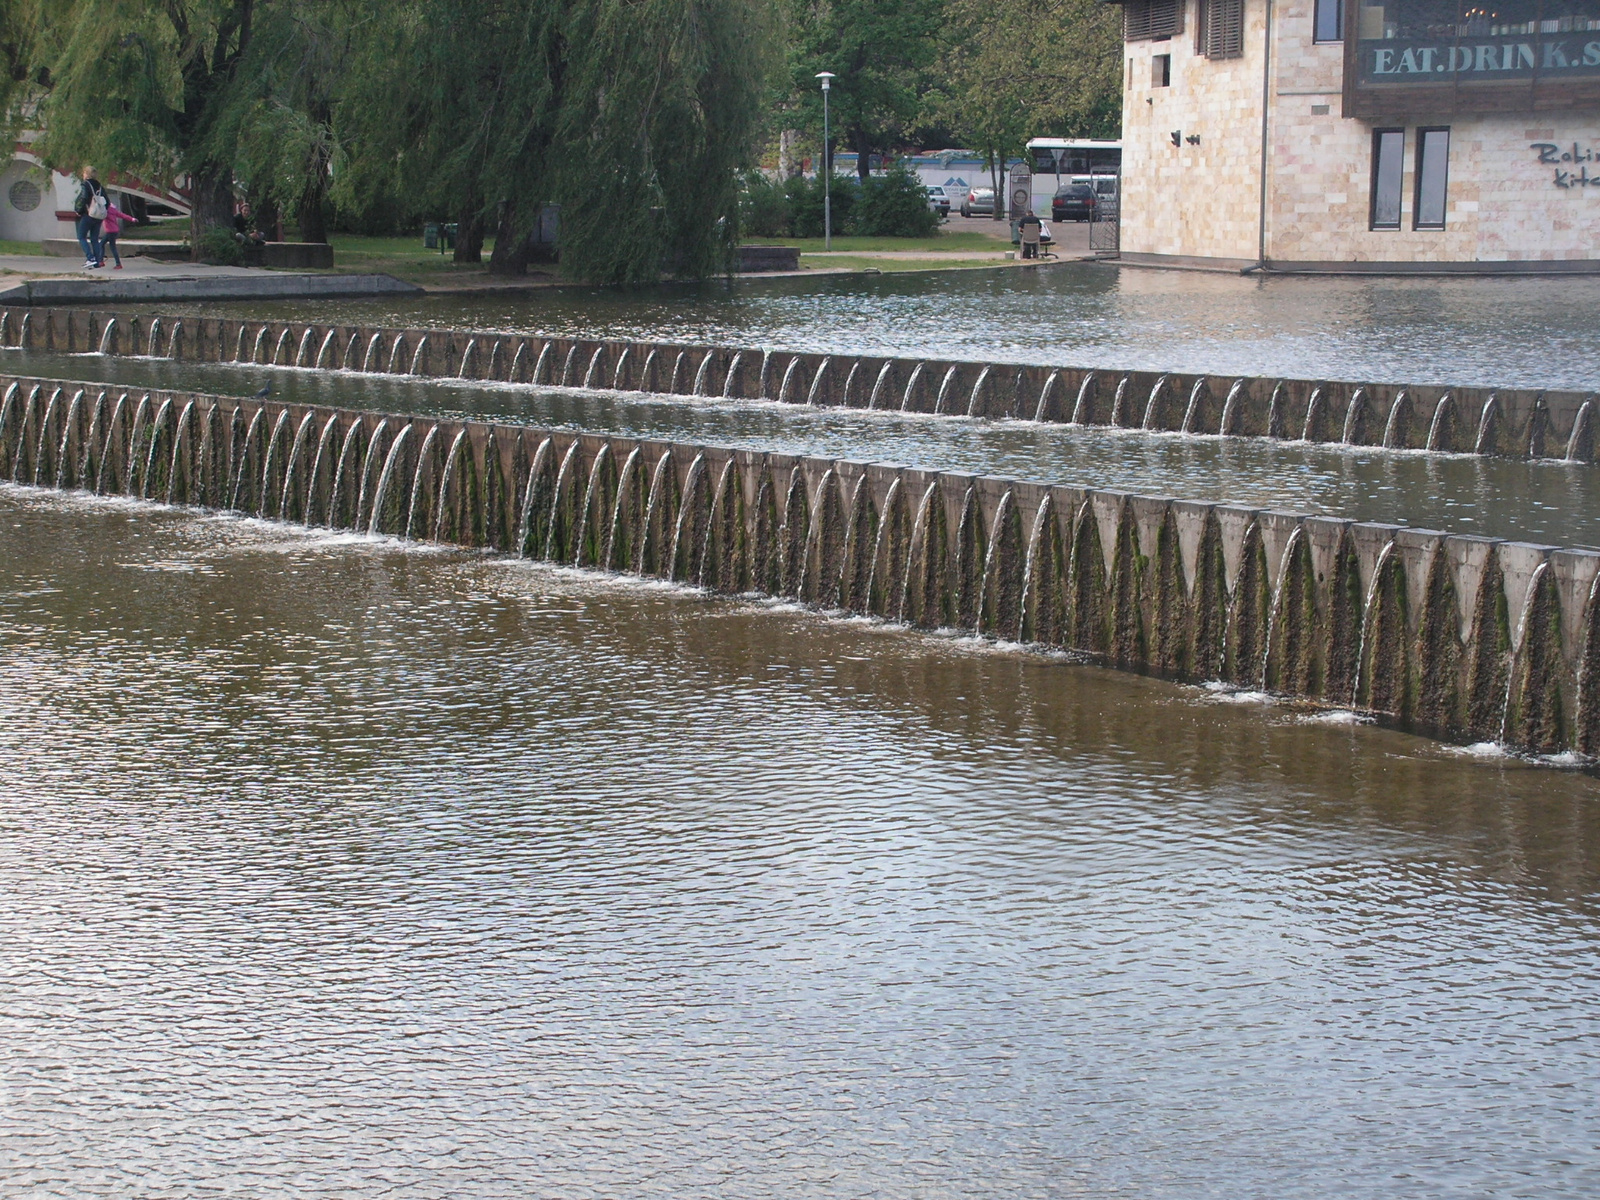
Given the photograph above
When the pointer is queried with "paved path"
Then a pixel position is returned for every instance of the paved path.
(50, 266)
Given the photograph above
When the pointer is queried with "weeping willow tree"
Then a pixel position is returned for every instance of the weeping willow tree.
(21, 76)
(633, 115)
(275, 118)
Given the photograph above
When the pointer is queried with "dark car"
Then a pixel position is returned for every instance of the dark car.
(1074, 202)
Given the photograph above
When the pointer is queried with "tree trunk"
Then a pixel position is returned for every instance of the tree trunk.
(309, 214)
(469, 233)
(269, 219)
(996, 172)
(863, 154)
(510, 255)
(788, 160)
(212, 199)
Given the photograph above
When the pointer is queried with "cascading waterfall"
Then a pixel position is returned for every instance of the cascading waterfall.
(1510, 423)
(837, 534)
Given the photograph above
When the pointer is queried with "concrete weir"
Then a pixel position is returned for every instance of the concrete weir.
(1461, 637)
(1517, 423)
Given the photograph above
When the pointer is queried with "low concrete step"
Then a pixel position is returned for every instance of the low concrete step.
(768, 258)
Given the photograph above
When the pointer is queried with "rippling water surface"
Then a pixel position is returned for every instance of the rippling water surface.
(1541, 501)
(336, 869)
(1534, 333)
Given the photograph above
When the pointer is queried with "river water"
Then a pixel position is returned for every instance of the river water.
(338, 868)
(1533, 333)
(1542, 501)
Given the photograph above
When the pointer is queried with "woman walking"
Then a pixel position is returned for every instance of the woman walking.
(90, 207)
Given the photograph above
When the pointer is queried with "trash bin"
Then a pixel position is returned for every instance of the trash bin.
(447, 238)
(430, 236)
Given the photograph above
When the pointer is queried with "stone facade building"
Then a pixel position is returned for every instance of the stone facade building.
(1317, 135)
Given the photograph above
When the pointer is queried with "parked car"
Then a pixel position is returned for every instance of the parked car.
(939, 200)
(1073, 202)
(1106, 192)
(979, 202)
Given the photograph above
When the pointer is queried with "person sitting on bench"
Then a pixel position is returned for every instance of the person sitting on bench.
(1028, 228)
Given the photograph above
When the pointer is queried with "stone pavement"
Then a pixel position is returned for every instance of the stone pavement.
(39, 279)
(16, 267)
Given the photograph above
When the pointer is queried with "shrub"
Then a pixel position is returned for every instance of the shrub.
(220, 248)
(806, 204)
(894, 204)
(764, 208)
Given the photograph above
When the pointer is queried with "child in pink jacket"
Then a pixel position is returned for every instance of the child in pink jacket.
(109, 229)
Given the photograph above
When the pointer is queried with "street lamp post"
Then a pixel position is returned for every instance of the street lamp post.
(827, 78)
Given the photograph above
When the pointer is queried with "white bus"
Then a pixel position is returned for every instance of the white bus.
(1065, 156)
(1056, 161)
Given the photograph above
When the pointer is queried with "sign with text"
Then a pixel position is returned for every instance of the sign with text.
(1480, 59)
(1569, 162)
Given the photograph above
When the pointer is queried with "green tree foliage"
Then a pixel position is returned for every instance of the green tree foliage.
(882, 52)
(764, 208)
(19, 67)
(634, 116)
(891, 204)
(138, 87)
(278, 119)
(1016, 69)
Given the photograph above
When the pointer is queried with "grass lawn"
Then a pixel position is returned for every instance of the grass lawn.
(405, 258)
(159, 231)
(21, 248)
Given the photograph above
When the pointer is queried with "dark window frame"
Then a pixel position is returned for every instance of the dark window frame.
(1152, 20)
(1444, 191)
(1377, 162)
(1160, 70)
(1219, 29)
(1333, 9)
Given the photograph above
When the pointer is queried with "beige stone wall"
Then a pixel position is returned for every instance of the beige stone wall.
(1193, 199)
(1502, 204)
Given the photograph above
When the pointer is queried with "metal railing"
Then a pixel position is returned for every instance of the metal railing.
(1105, 222)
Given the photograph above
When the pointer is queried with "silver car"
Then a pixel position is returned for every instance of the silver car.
(939, 200)
(979, 203)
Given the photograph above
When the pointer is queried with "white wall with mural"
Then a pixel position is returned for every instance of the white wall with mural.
(36, 202)
(29, 200)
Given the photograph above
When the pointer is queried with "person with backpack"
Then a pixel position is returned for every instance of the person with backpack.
(90, 207)
(115, 219)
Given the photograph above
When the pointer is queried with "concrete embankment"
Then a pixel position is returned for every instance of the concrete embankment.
(1508, 422)
(254, 286)
(1462, 637)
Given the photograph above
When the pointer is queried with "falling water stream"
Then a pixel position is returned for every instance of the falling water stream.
(335, 866)
(1545, 500)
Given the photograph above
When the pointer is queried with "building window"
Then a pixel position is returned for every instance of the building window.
(1151, 20)
(1161, 70)
(1388, 171)
(1220, 31)
(1433, 170)
(1328, 24)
